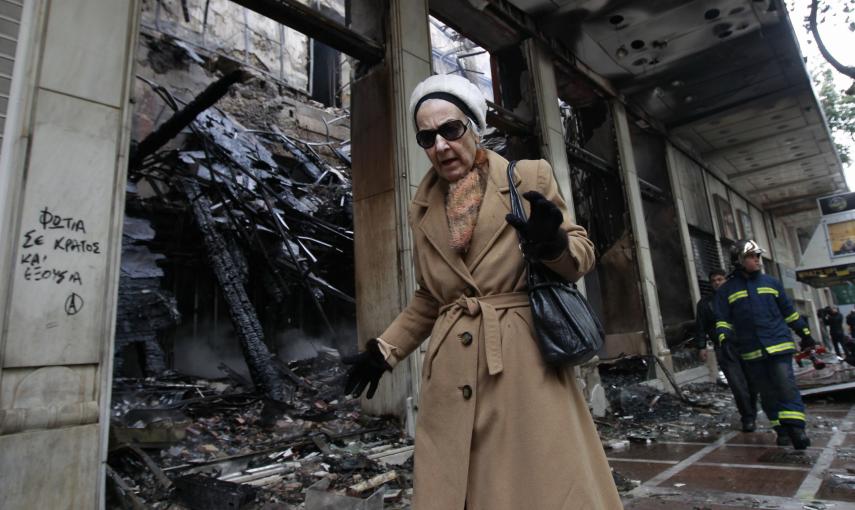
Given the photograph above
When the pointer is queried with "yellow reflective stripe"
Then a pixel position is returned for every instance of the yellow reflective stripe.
(780, 347)
(792, 317)
(752, 355)
(721, 337)
(775, 423)
(723, 324)
(806, 331)
(791, 415)
(737, 295)
(772, 349)
(767, 290)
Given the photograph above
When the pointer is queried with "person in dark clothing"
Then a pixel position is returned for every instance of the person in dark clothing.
(728, 359)
(849, 350)
(850, 321)
(822, 315)
(835, 329)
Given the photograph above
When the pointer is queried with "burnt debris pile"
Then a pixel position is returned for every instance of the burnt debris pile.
(237, 267)
(248, 220)
(642, 414)
(184, 442)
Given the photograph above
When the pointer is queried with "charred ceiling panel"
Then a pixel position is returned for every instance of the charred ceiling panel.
(625, 39)
(483, 26)
(730, 75)
(769, 145)
(724, 77)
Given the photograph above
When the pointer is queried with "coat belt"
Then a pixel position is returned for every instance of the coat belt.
(490, 331)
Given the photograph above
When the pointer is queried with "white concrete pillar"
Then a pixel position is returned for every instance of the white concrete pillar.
(677, 189)
(388, 165)
(722, 257)
(554, 150)
(549, 122)
(682, 224)
(655, 329)
(61, 209)
(550, 126)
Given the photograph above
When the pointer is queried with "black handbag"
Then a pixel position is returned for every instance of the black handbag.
(567, 330)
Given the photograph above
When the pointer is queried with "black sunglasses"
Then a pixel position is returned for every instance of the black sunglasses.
(451, 130)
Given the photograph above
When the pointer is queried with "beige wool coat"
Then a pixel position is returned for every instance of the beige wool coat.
(497, 429)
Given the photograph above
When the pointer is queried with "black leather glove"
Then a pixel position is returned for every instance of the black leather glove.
(544, 239)
(366, 368)
(807, 343)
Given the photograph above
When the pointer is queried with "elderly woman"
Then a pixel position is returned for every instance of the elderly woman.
(497, 428)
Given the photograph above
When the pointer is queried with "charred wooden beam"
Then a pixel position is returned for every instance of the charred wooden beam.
(182, 118)
(507, 121)
(264, 376)
(317, 26)
(124, 490)
(164, 482)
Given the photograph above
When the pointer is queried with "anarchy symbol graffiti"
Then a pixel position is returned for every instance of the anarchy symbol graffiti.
(73, 304)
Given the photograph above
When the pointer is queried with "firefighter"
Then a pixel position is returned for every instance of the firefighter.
(753, 312)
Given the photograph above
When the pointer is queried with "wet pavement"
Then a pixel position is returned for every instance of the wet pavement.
(734, 470)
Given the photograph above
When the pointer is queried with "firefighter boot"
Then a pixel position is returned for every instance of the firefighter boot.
(783, 437)
(798, 437)
(749, 425)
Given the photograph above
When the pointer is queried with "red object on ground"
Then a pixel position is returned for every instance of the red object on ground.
(811, 354)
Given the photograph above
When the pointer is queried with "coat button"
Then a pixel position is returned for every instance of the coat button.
(466, 338)
(467, 392)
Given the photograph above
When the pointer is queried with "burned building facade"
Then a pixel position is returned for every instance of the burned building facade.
(673, 130)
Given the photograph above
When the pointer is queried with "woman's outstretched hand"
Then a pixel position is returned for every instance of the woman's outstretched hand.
(366, 368)
(544, 238)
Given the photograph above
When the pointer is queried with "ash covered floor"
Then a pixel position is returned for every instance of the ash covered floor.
(722, 468)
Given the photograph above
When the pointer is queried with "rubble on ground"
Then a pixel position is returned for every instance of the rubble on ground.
(642, 414)
(182, 442)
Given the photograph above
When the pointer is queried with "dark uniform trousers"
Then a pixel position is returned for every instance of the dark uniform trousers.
(744, 389)
(729, 361)
(779, 396)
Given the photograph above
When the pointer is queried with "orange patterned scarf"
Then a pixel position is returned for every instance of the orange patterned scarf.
(462, 203)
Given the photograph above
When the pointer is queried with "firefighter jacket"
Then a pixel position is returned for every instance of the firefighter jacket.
(753, 311)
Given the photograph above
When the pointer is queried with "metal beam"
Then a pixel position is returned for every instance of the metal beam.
(740, 105)
(776, 187)
(828, 389)
(750, 144)
(761, 169)
(317, 26)
(781, 205)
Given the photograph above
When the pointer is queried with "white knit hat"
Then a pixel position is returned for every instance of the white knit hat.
(456, 90)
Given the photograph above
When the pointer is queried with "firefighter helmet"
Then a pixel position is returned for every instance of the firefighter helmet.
(742, 248)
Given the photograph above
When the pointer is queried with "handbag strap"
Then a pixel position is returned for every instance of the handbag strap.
(516, 203)
(537, 274)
